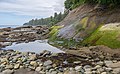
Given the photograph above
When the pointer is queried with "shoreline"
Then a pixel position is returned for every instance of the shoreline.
(13, 62)
(85, 60)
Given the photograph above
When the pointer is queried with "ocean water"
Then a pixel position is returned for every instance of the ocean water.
(12, 26)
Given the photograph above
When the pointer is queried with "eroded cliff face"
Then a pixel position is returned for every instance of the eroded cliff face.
(84, 20)
(85, 25)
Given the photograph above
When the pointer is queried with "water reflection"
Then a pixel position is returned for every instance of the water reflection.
(36, 46)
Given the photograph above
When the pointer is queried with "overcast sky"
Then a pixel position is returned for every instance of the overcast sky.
(17, 12)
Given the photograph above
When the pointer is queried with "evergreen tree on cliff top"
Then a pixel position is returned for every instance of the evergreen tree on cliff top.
(71, 4)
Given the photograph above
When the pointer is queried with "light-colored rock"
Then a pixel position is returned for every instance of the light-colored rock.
(97, 67)
(9, 67)
(33, 57)
(104, 73)
(7, 43)
(4, 60)
(38, 69)
(16, 66)
(54, 72)
(34, 63)
(116, 71)
(108, 63)
(71, 72)
(89, 72)
(100, 63)
(46, 63)
(7, 71)
(100, 70)
(48, 67)
(115, 65)
(78, 68)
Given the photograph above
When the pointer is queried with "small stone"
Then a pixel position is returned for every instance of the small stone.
(78, 68)
(31, 67)
(77, 62)
(9, 67)
(87, 66)
(24, 59)
(38, 69)
(115, 65)
(33, 57)
(48, 67)
(108, 69)
(97, 67)
(7, 71)
(60, 73)
(54, 72)
(108, 63)
(104, 73)
(100, 63)
(51, 70)
(89, 72)
(4, 60)
(100, 70)
(94, 72)
(16, 66)
(116, 71)
(46, 63)
(34, 63)
(71, 69)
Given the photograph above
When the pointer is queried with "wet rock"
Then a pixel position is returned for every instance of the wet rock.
(45, 53)
(7, 43)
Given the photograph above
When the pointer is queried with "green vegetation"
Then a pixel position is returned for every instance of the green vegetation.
(108, 36)
(48, 21)
(54, 32)
(61, 41)
(71, 4)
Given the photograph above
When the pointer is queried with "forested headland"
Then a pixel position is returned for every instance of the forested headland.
(48, 21)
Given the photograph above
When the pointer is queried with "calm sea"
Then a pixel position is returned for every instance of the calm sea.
(12, 26)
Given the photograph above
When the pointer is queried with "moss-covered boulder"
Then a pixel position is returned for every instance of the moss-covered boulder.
(108, 35)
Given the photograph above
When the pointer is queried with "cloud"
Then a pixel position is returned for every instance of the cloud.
(41, 8)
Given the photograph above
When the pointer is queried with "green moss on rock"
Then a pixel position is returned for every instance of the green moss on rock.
(106, 35)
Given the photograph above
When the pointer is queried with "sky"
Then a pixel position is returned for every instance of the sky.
(18, 12)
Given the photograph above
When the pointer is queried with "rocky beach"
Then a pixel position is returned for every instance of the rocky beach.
(59, 37)
(22, 34)
(93, 62)
(85, 60)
